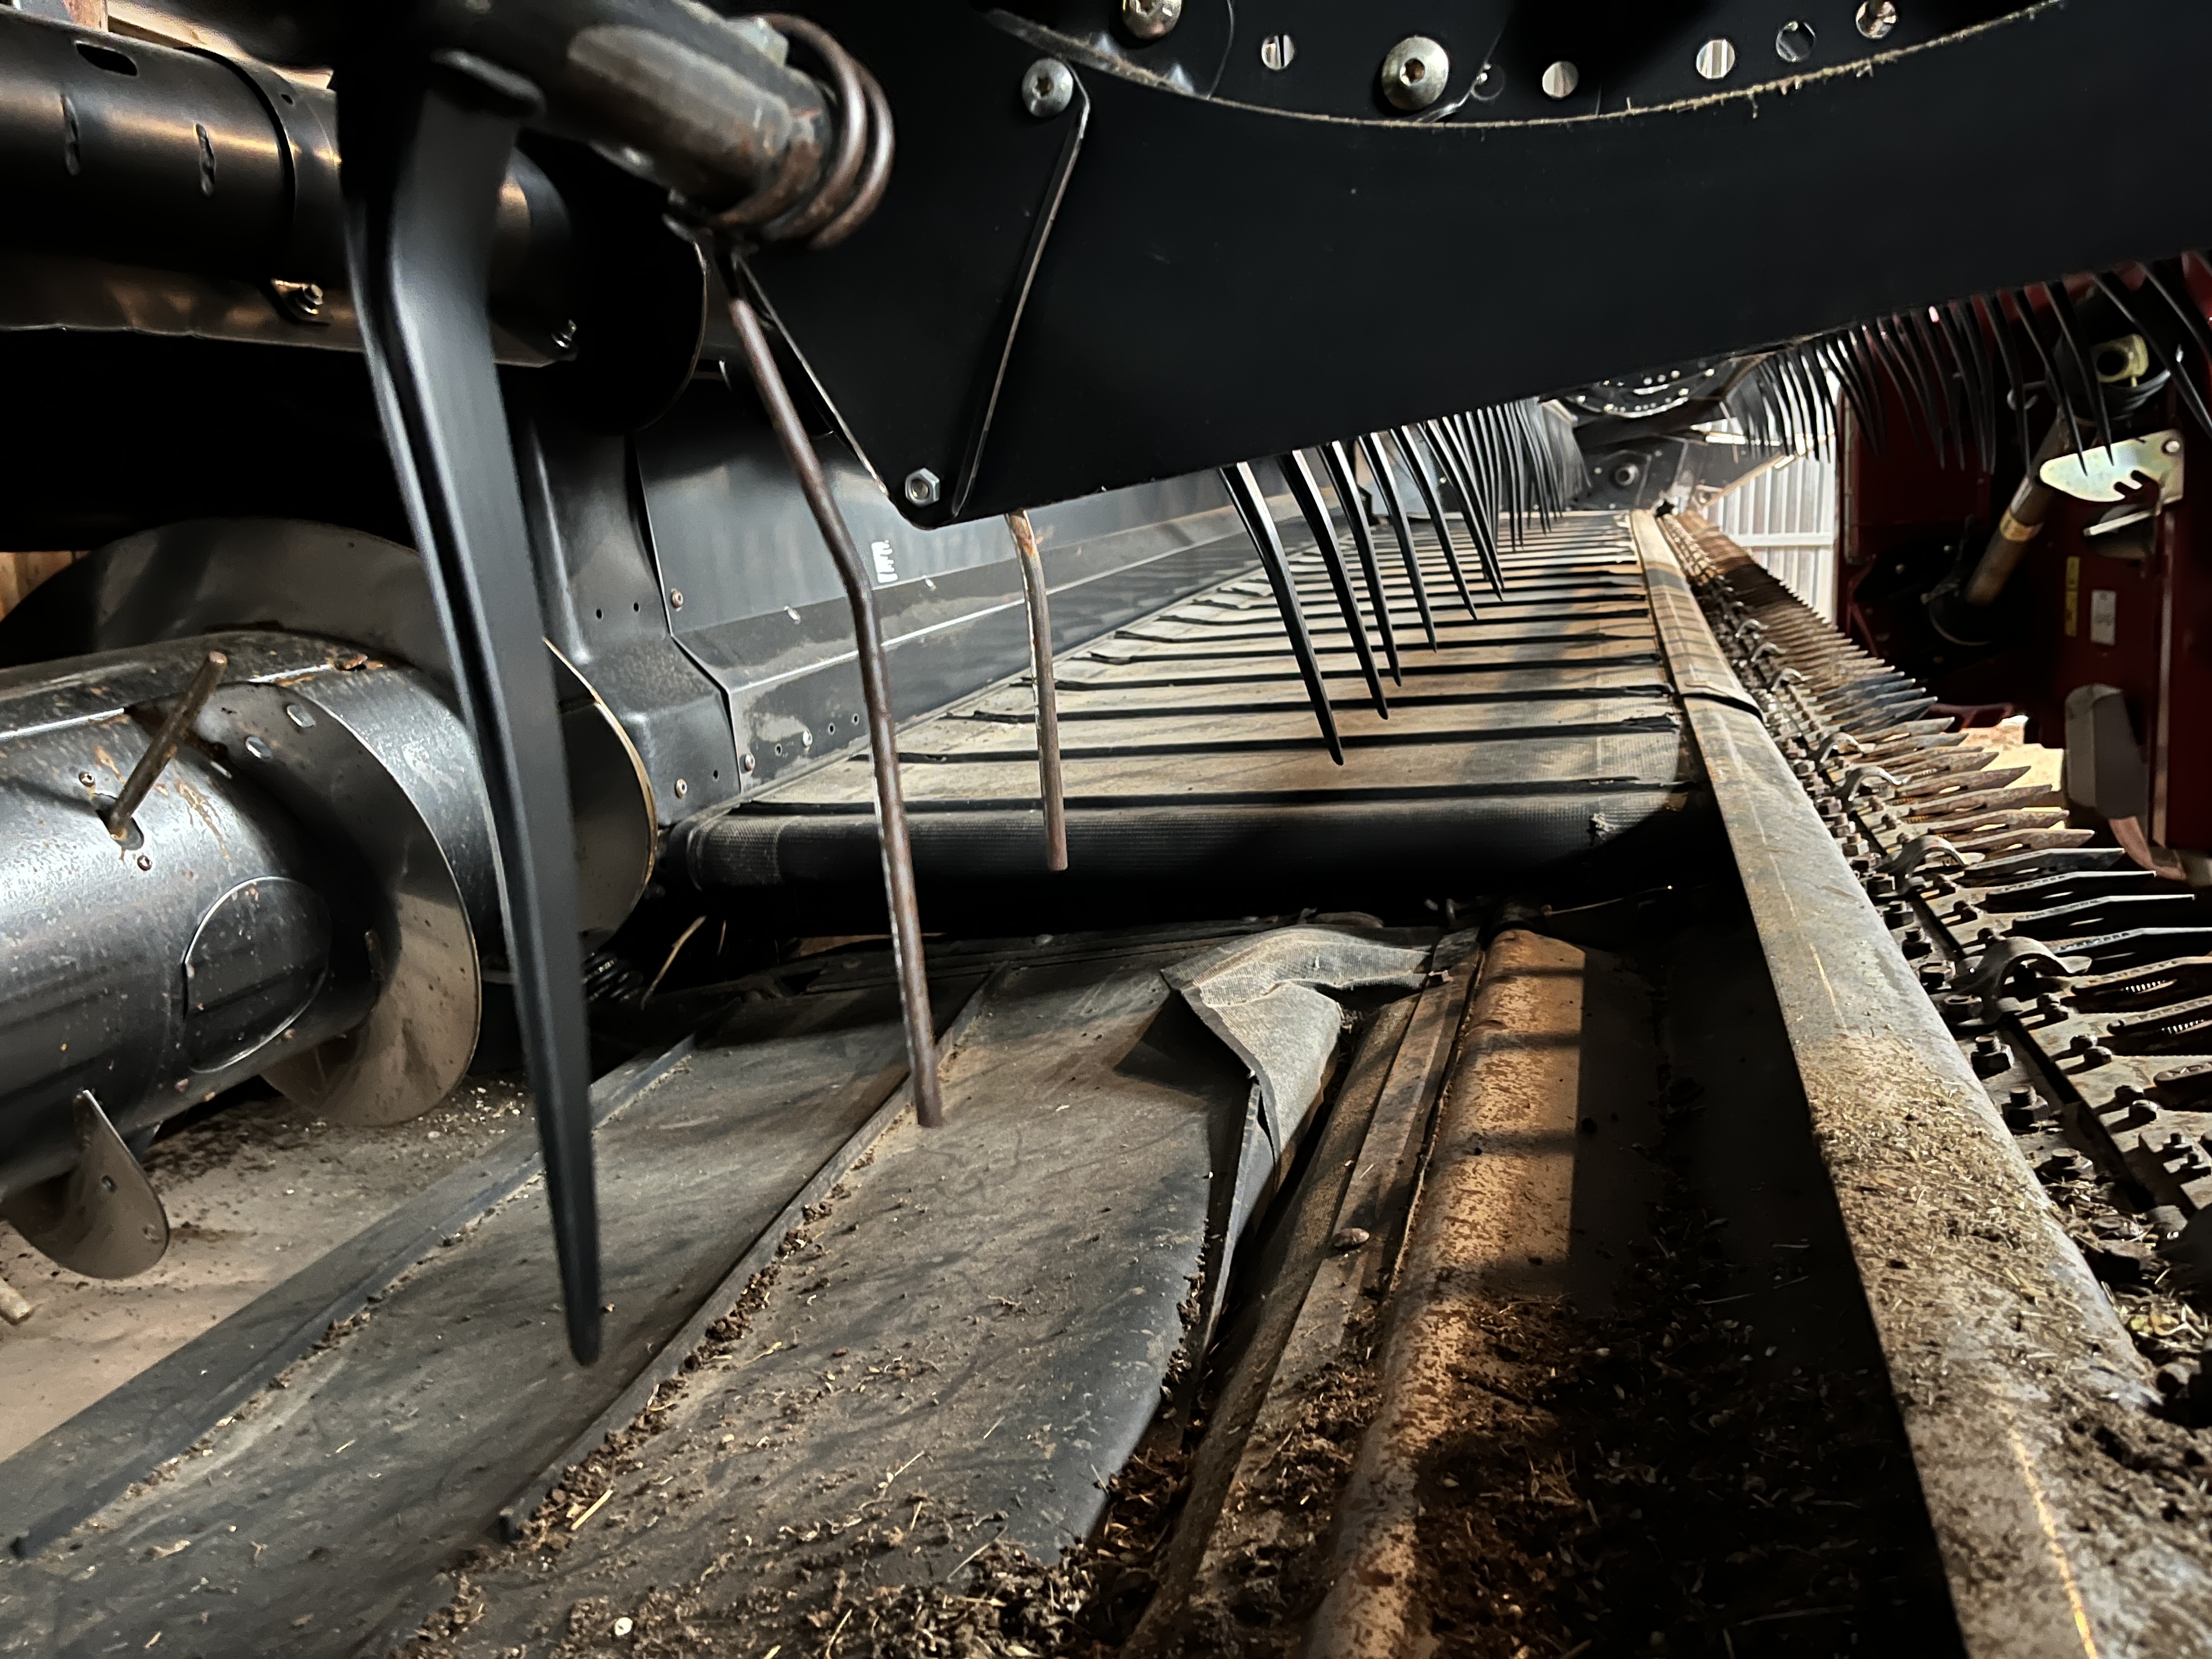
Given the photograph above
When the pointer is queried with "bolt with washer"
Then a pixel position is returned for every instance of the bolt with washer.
(922, 487)
(1414, 73)
(1148, 19)
(1048, 87)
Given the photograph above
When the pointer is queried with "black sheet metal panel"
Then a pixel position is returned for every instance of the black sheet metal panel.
(750, 594)
(1536, 733)
(2001, 1349)
(1156, 335)
(387, 1452)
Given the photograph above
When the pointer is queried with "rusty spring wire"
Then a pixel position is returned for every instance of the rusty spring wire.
(1049, 785)
(853, 183)
(883, 731)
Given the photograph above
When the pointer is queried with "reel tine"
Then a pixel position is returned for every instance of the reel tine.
(2015, 381)
(1969, 324)
(1306, 492)
(1386, 481)
(1426, 485)
(2070, 328)
(1363, 541)
(2172, 349)
(1252, 507)
(1922, 342)
(1474, 509)
(2051, 377)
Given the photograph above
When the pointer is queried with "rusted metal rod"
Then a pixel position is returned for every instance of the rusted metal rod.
(876, 691)
(1047, 698)
(163, 749)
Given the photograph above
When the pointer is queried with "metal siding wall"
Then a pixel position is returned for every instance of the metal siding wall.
(1785, 517)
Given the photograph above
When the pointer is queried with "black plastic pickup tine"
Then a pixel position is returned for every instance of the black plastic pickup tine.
(2070, 328)
(2157, 329)
(1305, 491)
(426, 148)
(1363, 541)
(1252, 507)
(2015, 381)
(1921, 344)
(2169, 280)
(1474, 509)
(1422, 482)
(2051, 377)
(1921, 400)
(1386, 484)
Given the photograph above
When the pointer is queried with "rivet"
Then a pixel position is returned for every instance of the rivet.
(681, 789)
(746, 763)
(1560, 80)
(675, 598)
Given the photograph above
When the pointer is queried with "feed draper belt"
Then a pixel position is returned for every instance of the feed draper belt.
(1539, 728)
(2079, 982)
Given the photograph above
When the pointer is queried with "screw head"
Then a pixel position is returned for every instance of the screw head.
(1877, 18)
(1278, 51)
(145, 863)
(746, 763)
(1148, 19)
(675, 598)
(1716, 58)
(682, 789)
(1560, 80)
(922, 487)
(87, 779)
(1048, 87)
(564, 334)
(1793, 41)
(1415, 72)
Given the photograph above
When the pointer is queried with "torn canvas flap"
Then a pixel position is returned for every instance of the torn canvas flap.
(1265, 998)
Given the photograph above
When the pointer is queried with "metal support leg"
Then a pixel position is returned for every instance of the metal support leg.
(426, 151)
(883, 729)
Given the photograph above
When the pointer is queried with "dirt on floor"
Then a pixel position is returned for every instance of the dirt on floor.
(255, 1192)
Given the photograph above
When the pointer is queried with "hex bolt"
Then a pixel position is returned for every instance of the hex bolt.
(1414, 73)
(1048, 88)
(1914, 944)
(1990, 1056)
(1148, 19)
(922, 487)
